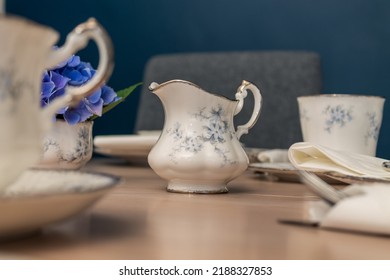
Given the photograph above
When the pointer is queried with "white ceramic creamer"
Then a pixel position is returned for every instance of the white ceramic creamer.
(199, 149)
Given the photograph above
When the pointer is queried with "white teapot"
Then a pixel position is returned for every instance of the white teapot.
(199, 149)
(26, 50)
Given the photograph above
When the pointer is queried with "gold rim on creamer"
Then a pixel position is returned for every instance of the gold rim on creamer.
(156, 86)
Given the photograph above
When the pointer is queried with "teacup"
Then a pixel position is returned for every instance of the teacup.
(26, 51)
(342, 121)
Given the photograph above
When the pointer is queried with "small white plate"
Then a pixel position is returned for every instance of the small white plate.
(41, 197)
(130, 147)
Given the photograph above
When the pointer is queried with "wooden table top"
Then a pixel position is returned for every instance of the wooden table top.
(139, 219)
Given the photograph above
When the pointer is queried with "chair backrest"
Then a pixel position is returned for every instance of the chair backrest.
(282, 76)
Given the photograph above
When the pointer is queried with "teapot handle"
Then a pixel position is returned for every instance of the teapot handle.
(240, 95)
(75, 41)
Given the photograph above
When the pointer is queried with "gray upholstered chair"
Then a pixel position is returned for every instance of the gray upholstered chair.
(282, 76)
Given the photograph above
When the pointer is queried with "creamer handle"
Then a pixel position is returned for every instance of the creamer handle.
(240, 96)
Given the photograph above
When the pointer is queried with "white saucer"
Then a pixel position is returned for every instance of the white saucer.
(130, 147)
(349, 179)
(285, 171)
(41, 197)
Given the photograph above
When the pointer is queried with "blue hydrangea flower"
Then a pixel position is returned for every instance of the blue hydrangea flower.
(75, 72)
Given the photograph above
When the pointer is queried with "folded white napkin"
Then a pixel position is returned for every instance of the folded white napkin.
(312, 157)
(368, 212)
(274, 155)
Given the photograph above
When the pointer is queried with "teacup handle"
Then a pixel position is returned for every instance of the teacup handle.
(75, 41)
(240, 96)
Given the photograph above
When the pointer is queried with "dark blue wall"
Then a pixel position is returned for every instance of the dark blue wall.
(353, 38)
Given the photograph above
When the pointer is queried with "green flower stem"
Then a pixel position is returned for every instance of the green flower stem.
(123, 94)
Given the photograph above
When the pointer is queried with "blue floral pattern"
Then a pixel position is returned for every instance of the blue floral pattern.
(337, 116)
(374, 126)
(214, 131)
(303, 114)
(11, 88)
(79, 153)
